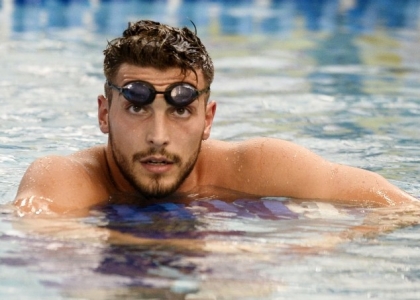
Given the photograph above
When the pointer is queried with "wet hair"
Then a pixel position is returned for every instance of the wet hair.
(152, 44)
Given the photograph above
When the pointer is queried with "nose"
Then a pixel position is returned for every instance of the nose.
(158, 131)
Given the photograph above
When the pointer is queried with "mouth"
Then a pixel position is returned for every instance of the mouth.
(157, 161)
(157, 164)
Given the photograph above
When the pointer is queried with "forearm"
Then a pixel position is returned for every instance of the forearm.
(376, 222)
(364, 188)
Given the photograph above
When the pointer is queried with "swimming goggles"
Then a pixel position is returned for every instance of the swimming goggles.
(142, 93)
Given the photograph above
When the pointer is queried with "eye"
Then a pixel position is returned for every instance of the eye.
(182, 112)
(134, 109)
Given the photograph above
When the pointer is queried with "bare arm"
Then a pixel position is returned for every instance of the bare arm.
(56, 184)
(281, 168)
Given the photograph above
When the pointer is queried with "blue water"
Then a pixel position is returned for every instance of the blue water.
(339, 77)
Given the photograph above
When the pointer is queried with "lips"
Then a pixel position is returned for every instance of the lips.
(156, 161)
(157, 164)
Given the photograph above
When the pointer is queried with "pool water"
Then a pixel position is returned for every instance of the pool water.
(339, 77)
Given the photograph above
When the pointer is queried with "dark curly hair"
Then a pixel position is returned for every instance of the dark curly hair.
(152, 44)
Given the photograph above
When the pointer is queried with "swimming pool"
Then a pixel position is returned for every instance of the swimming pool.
(339, 77)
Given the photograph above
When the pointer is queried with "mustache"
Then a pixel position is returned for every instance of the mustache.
(152, 151)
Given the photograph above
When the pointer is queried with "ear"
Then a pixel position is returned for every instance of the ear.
(103, 111)
(210, 112)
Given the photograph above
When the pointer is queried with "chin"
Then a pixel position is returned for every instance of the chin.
(157, 188)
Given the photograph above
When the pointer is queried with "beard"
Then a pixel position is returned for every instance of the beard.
(153, 186)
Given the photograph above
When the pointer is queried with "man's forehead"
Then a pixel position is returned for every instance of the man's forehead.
(130, 72)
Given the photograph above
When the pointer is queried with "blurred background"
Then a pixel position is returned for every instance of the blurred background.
(243, 17)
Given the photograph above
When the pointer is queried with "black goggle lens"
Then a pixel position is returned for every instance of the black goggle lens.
(182, 94)
(137, 93)
(142, 93)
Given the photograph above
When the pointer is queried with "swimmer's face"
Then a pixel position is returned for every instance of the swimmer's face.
(156, 146)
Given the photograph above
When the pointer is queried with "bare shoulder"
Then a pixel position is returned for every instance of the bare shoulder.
(269, 150)
(63, 183)
(251, 145)
(261, 166)
(265, 144)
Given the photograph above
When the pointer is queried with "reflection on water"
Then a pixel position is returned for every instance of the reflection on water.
(250, 249)
(203, 250)
(339, 77)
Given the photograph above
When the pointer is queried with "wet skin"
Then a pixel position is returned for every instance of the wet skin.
(160, 151)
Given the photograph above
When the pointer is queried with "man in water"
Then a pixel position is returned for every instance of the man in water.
(158, 115)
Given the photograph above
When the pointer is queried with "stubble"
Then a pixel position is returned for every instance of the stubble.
(153, 186)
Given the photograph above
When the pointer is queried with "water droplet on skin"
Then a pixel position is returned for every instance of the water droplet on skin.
(33, 205)
(21, 202)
